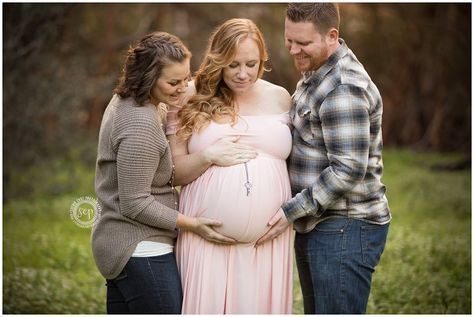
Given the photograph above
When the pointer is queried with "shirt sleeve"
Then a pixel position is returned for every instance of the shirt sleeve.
(345, 126)
(138, 157)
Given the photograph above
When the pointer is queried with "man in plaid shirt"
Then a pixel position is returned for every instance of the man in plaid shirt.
(339, 209)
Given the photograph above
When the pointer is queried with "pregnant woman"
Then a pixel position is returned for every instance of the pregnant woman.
(232, 114)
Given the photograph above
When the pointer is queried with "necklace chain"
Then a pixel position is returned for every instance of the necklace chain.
(247, 184)
(173, 189)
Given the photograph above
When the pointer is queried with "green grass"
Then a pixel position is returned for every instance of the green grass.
(47, 259)
(426, 266)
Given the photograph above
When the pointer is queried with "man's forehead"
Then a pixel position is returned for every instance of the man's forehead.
(300, 29)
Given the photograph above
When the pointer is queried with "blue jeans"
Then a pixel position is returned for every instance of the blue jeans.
(335, 264)
(146, 285)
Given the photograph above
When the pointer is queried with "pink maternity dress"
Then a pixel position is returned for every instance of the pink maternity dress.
(241, 278)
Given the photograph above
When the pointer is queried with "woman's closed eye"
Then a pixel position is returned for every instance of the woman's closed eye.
(178, 82)
(250, 64)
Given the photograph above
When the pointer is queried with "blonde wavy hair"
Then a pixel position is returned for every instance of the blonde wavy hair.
(213, 98)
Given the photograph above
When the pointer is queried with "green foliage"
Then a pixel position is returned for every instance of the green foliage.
(70, 171)
(48, 264)
(426, 267)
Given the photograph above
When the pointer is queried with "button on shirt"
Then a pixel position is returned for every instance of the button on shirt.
(336, 164)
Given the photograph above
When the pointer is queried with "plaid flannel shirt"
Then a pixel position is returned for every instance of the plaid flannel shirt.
(336, 164)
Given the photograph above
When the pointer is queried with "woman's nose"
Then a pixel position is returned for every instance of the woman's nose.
(242, 74)
(182, 87)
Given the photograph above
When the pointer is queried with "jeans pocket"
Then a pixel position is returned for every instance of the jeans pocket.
(332, 225)
(373, 239)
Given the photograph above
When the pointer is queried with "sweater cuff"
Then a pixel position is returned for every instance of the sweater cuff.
(301, 205)
(165, 218)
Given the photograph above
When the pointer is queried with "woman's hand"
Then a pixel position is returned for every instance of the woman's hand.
(226, 152)
(204, 227)
(277, 225)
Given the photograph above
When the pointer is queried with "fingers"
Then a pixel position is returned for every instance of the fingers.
(234, 158)
(210, 234)
(275, 218)
(243, 149)
(270, 235)
(243, 157)
(266, 237)
(238, 151)
(210, 222)
(274, 231)
(242, 152)
(216, 237)
(226, 152)
(237, 146)
(221, 239)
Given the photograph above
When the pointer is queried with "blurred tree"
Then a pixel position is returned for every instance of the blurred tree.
(62, 61)
(34, 97)
(420, 57)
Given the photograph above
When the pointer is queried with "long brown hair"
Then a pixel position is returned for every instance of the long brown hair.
(145, 62)
(213, 98)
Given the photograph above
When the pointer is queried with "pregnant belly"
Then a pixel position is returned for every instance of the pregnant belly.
(243, 217)
(220, 194)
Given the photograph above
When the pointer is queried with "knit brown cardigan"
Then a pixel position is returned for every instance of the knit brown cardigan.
(132, 184)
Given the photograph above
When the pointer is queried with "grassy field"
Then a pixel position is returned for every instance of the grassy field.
(425, 269)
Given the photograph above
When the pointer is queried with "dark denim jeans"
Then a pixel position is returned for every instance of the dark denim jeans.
(335, 264)
(146, 286)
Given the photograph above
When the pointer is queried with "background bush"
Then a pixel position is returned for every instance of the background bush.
(425, 269)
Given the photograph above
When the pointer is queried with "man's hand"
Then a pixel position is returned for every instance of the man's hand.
(277, 224)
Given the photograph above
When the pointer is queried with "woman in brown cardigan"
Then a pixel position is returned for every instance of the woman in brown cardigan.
(133, 240)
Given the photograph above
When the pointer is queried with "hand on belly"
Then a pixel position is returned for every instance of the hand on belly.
(242, 223)
(244, 214)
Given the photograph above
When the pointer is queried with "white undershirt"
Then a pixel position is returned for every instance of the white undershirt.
(151, 248)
